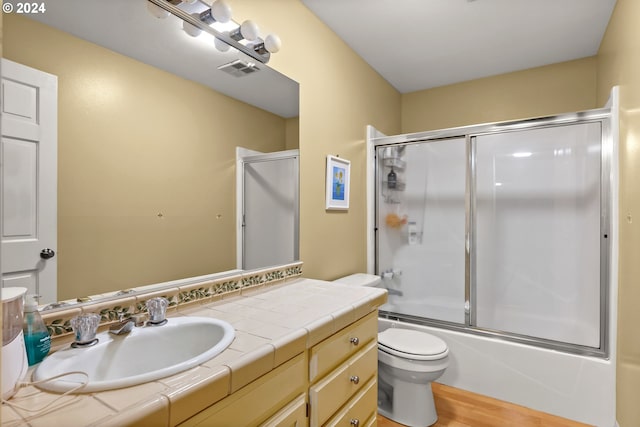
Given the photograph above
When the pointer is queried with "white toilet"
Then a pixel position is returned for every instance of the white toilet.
(408, 361)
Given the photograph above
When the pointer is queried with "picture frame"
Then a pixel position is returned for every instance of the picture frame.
(337, 183)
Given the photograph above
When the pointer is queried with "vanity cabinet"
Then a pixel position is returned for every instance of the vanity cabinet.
(343, 376)
(271, 400)
(358, 412)
(328, 377)
(292, 415)
(337, 377)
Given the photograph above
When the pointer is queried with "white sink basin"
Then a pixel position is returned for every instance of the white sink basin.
(145, 354)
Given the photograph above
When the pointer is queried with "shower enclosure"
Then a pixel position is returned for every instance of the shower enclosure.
(267, 209)
(501, 239)
(500, 229)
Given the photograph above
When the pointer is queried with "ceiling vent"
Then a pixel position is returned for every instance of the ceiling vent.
(239, 68)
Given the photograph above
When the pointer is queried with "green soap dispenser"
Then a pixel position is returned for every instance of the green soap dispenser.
(36, 335)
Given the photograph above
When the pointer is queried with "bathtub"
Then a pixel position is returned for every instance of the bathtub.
(580, 388)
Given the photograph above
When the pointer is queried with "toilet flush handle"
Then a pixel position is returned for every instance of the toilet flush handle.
(354, 341)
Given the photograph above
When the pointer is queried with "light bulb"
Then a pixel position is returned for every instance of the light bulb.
(157, 11)
(249, 30)
(221, 46)
(220, 11)
(192, 30)
(272, 43)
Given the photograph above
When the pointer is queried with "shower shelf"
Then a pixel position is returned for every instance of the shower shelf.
(391, 201)
(400, 185)
(395, 162)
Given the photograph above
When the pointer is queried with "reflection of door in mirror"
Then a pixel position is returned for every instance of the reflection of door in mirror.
(268, 191)
(146, 159)
(29, 151)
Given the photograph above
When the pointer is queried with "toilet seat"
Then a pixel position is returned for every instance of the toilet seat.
(410, 344)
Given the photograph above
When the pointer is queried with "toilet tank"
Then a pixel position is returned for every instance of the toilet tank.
(360, 279)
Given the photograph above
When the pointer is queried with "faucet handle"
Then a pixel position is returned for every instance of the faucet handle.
(157, 308)
(85, 327)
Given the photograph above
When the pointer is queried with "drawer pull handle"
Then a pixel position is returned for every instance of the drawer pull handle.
(354, 379)
(354, 422)
(354, 341)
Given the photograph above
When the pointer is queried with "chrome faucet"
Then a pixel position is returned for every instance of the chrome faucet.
(124, 326)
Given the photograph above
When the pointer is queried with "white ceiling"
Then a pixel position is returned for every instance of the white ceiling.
(420, 44)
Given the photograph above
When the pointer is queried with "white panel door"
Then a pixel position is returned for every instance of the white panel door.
(29, 179)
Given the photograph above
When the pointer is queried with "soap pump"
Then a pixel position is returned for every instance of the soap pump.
(36, 336)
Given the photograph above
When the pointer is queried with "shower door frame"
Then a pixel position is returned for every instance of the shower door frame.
(470, 133)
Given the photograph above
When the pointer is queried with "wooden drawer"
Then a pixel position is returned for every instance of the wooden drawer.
(292, 415)
(328, 354)
(372, 422)
(360, 410)
(334, 390)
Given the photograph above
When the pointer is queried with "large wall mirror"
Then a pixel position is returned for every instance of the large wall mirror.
(147, 135)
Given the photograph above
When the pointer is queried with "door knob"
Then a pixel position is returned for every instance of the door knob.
(47, 253)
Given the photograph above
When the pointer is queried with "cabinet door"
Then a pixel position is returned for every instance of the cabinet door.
(333, 391)
(292, 415)
(256, 402)
(334, 350)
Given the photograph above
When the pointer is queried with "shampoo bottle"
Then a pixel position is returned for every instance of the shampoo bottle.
(391, 179)
(36, 336)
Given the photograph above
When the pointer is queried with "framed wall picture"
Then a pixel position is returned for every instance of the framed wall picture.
(338, 177)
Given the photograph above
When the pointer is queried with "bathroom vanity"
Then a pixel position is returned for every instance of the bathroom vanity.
(305, 353)
(341, 386)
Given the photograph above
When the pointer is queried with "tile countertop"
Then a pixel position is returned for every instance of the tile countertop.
(272, 325)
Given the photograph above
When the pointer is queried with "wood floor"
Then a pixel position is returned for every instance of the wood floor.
(460, 408)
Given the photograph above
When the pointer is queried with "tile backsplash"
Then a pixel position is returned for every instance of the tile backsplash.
(123, 304)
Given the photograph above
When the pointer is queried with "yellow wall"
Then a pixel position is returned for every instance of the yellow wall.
(292, 132)
(339, 95)
(132, 145)
(619, 64)
(1, 207)
(558, 88)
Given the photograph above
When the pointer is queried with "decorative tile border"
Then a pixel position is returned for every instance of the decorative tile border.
(58, 321)
(227, 286)
(293, 270)
(194, 295)
(170, 295)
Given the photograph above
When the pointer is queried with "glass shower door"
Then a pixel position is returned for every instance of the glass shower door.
(421, 228)
(537, 233)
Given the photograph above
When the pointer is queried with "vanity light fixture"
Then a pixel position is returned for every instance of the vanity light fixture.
(248, 30)
(244, 37)
(157, 11)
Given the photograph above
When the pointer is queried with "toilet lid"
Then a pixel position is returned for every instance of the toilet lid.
(412, 344)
